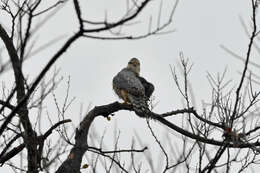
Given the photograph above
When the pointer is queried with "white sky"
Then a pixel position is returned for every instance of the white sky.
(201, 27)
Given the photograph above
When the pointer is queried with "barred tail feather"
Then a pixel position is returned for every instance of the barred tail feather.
(140, 106)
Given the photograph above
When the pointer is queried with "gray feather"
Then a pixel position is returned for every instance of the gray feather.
(127, 80)
(140, 106)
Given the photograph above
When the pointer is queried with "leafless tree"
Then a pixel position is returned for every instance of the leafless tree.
(18, 130)
(224, 134)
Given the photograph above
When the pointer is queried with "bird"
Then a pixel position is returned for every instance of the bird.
(132, 88)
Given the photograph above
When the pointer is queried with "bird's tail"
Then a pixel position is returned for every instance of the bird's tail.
(140, 106)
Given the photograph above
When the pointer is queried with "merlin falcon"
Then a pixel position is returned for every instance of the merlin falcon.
(132, 88)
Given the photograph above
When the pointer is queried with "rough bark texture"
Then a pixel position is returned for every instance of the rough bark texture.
(29, 134)
(73, 161)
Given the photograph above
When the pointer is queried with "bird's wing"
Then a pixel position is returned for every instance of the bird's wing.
(128, 81)
(149, 87)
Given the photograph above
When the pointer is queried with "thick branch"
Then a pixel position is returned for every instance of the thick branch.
(38, 79)
(19, 80)
(73, 161)
(78, 12)
(8, 145)
(11, 153)
(23, 98)
(6, 103)
(39, 141)
(30, 135)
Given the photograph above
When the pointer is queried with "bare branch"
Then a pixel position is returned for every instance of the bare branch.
(253, 35)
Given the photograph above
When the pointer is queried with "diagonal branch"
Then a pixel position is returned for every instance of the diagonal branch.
(40, 141)
(12, 153)
(78, 12)
(194, 112)
(73, 161)
(121, 21)
(214, 161)
(253, 35)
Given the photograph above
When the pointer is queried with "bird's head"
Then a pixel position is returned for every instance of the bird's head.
(134, 65)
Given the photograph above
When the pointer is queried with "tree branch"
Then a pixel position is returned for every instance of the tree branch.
(73, 161)
(253, 35)
(121, 21)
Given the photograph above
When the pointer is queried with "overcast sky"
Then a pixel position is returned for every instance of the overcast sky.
(200, 27)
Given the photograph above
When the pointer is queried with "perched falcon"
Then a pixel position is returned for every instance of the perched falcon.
(132, 88)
